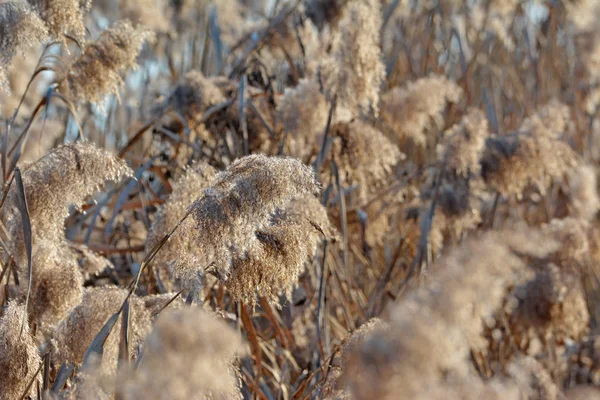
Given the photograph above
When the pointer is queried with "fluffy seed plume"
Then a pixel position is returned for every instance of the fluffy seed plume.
(56, 283)
(96, 72)
(186, 190)
(303, 114)
(584, 202)
(64, 177)
(277, 259)
(20, 28)
(226, 219)
(354, 72)
(19, 357)
(189, 354)
(364, 156)
(194, 94)
(513, 162)
(408, 112)
(334, 387)
(74, 335)
(64, 17)
(464, 144)
(148, 13)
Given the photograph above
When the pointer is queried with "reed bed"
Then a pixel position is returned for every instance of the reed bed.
(299, 199)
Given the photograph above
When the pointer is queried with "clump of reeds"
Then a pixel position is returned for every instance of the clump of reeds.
(20, 28)
(454, 303)
(52, 185)
(62, 178)
(189, 353)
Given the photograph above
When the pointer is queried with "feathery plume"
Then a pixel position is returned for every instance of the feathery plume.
(355, 70)
(513, 162)
(364, 156)
(151, 14)
(96, 72)
(56, 283)
(274, 264)
(238, 204)
(194, 94)
(19, 357)
(188, 354)
(464, 143)
(64, 177)
(74, 335)
(20, 28)
(334, 388)
(64, 17)
(186, 190)
(583, 193)
(303, 113)
(408, 112)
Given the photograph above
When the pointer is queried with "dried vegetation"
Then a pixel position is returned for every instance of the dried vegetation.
(312, 199)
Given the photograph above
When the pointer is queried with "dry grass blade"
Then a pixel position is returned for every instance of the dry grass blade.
(30, 384)
(46, 375)
(27, 236)
(62, 376)
(243, 120)
(253, 339)
(168, 303)
(124, 356)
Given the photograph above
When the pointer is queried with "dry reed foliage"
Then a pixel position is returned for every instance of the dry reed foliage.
(226, 223)
(189, 354)
(19, 357)
(354, 72)
(415, 111)
(447, 136)
(56, 283)
(74, 335)
(96, 72)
